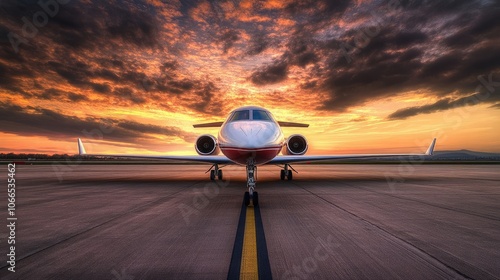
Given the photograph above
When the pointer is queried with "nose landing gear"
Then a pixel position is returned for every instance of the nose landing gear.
(251, 195)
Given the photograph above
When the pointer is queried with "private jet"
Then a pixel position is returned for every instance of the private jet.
(251, 136)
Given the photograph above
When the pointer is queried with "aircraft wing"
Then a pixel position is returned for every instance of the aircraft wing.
(292, 124)
(207, 159)
(212, 124)
(293, 159)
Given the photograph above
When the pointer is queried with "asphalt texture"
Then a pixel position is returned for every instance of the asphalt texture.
(330, 222)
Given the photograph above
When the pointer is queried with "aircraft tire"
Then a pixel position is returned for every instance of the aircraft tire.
(246, 198)
(255, 198)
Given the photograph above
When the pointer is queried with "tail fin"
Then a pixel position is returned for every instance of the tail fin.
(430, 150)
(81, 148)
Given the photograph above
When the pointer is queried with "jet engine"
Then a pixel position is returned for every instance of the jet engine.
(206, 145)
(295, 145)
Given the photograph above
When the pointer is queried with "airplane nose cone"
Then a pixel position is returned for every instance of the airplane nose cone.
(254, 135)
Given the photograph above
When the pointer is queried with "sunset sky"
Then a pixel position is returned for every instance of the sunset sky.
(134, 76)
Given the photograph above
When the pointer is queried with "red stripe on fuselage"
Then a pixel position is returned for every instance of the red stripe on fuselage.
(242, 155)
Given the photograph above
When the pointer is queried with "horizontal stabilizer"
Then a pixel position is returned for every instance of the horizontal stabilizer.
(213, 124)
(292, 124)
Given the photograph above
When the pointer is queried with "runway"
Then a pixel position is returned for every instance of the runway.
(331, 222)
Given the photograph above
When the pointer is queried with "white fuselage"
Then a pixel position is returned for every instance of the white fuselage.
(255, 137)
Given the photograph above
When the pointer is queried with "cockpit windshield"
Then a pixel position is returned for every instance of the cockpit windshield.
(245, 115)
(240, 115)
(261, 115)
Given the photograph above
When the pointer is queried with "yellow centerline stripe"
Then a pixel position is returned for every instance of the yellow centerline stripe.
(249, 268)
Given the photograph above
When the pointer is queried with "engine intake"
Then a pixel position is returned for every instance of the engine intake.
(295, 145)
(206, 145)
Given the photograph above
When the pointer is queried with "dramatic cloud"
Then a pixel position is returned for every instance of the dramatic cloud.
(270, 74)
(43, 122)
(228, 39)
(79, 63)
(258, 44)
(385, 60)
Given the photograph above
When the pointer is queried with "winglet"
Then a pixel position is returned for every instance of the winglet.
(81, 148)
(430, 150)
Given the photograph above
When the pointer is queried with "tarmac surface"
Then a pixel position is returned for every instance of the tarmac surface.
(331, 222)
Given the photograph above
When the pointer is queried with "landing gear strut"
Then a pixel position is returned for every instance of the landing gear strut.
(215, 172)
(251, 195)
(286, 173)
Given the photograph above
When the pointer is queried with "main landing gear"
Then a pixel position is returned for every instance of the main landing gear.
(215, 172)
(251, 195)
(287, 173)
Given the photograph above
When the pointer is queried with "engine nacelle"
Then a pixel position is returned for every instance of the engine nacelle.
(206, 145)
(295, 145)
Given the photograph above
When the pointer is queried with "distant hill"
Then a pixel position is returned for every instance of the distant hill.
(464, 155)
(459, 156)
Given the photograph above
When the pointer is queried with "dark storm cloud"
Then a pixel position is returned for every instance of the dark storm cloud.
(392, 57)
(309, 85)
(317, 10)
(306, 58)
(81, 75)
(396, 60)
(437, 46)
(299, 52)
(79, 25)
(405, 39)
(206, 100)
(178, 86)
(443, 64)
(43, 122)
(258, 43)
(75, 97)
(441, 105)
(227, 39)
(134, 26)
(75, 45)
(5, 78)
(200, 95)
(488, 91)
(127, 94)
(426, 109)
(100, 88)
(170, 65)
(56, 94)
(270, 74)
(156, 129)
(438, 7)
(75, 73)
(108, 75)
